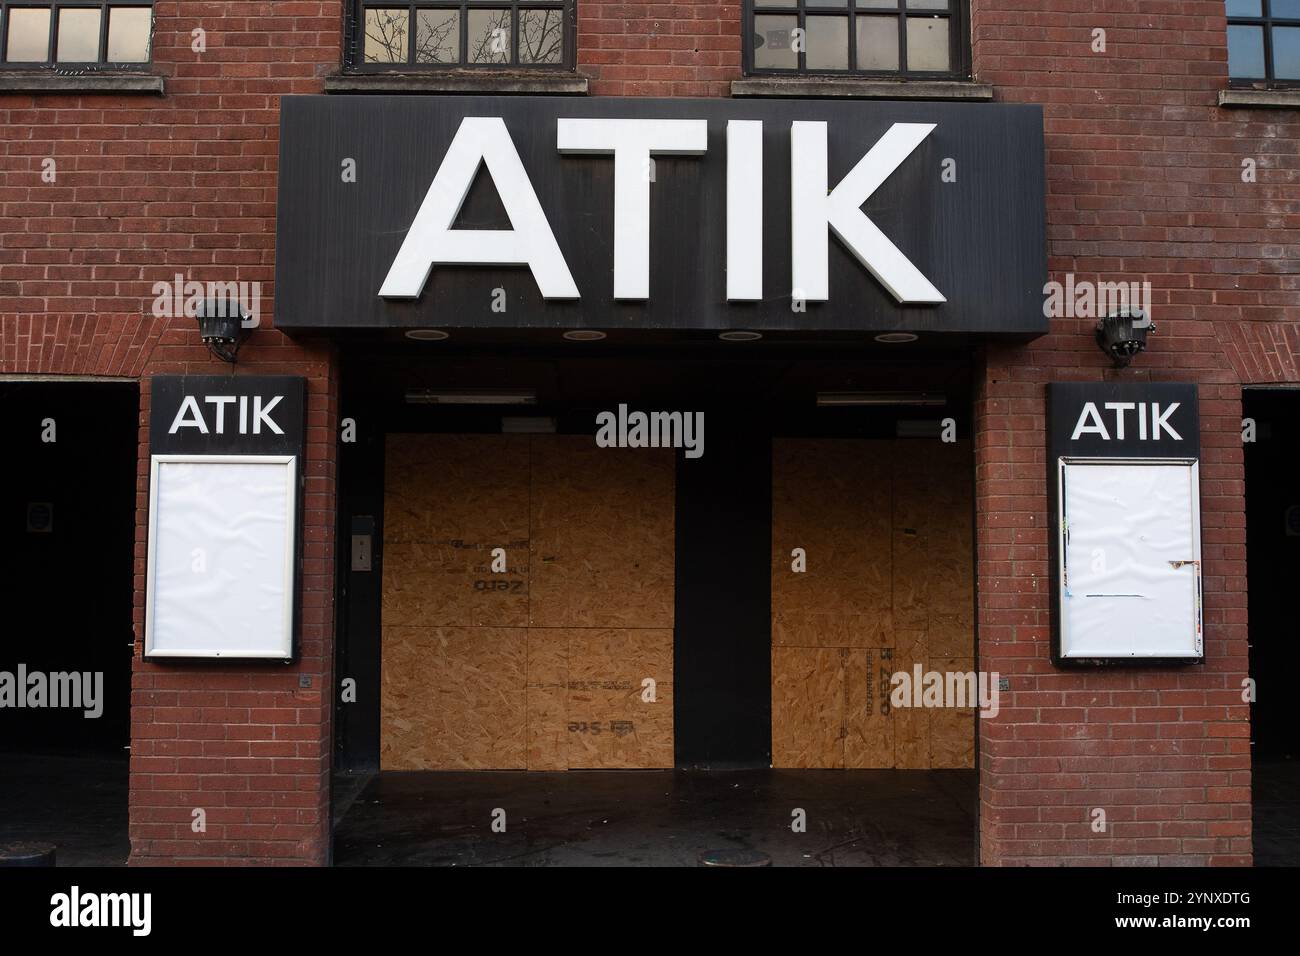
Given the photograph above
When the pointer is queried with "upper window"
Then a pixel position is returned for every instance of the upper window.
(478, 33)
(890, 38)
(75, 33)
(1264, 42)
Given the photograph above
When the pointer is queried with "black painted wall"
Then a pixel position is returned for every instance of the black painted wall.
(722, 662)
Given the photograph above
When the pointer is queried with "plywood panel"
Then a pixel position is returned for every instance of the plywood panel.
(895, 520)
(933, 544)
(467, 684)
(817, 629)
(831, 497)
(952, 729)
(808, 707)
(453, 698)
(431, 585)
(547, 694)
(602, 535)
(869, 743)
(911, 726)
(457, 490)
(609, 723)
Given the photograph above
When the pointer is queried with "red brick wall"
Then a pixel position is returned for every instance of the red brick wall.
(659, 47)
(148, 187)
(1144, 183)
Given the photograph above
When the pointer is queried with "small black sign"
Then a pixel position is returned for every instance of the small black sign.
(226, 415)
(1147, 421)
(1128, 420)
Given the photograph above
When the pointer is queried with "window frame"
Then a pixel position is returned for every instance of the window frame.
(354, 43)
(958, 16)
(52, 64)
(1266, 20)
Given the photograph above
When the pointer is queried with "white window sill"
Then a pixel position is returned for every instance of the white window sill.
(1260, 99)
(861, 88)
(499, 82)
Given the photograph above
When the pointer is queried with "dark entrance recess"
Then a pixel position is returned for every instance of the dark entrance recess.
(722, 641)
(67, 535)
(1273, 568)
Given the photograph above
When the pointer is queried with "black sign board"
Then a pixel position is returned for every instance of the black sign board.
(961, 201)
(225, 517)
(1125, 547)
(1122, 420)
(226, 415)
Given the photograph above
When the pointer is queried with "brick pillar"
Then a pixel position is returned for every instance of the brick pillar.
(250, 743)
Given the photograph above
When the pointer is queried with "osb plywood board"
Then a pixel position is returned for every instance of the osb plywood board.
(952, 729)
(869, 743)
(547, 693)
(831, 497)
(610, 722)
(911, 727)
(431, 585)
(452, 698)
(466, 683)
(808, 707)
(817, 629)
(933, 538)
(457, 490)
(602, 535)
(896, 516)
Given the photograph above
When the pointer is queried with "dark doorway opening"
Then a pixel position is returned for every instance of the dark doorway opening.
(67, 533)
(723, 679)
(1273, 570)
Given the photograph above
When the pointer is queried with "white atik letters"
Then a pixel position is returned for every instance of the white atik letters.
(816, 210)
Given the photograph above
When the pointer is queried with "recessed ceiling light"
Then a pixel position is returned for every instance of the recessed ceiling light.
(896, 338)
(740, 336)
(427, 335)
(584, 335)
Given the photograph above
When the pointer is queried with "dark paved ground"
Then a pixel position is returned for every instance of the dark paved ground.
(662, 818)
(596, 818)
(76, 802)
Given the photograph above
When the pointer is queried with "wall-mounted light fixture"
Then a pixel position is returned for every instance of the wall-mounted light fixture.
(221, 326)
(1122, 335)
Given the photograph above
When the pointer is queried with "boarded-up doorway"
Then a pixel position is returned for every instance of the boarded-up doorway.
(887, 530)
(565, 659)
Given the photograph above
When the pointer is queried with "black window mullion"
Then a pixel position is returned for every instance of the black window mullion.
(51, 53)
(410, 34)
(853, 36)
(1266, 8)
(462, 26)
(902, 37)
(103, 33)
(801, 56)
(514, 34)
